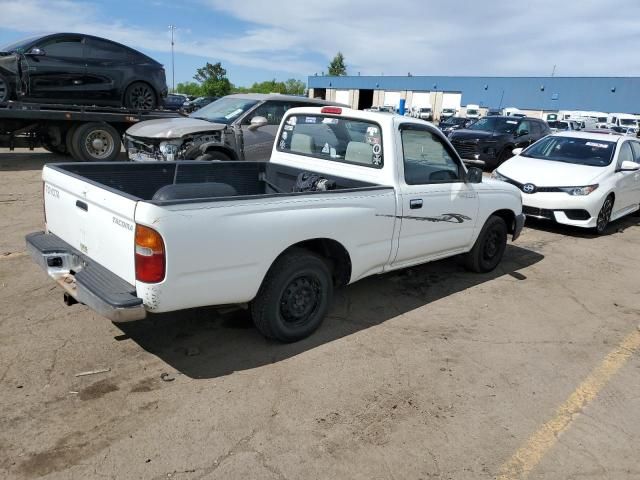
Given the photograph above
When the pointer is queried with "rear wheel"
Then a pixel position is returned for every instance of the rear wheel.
(5, 89)
(57, 149)
(96, 142)
(605, 215)
(294, 296)
(140, 96)
(489, 248)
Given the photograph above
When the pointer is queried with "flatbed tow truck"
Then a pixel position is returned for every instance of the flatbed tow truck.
(86, 133)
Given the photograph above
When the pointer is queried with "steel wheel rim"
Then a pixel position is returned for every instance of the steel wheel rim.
(491, 245)
(141, 98)
(300, 300)
(99, 144)
(4, 90)
(605, 214)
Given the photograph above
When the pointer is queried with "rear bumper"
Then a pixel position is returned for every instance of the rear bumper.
(85, 280)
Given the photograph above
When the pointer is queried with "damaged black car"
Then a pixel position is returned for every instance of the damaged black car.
(70, 68)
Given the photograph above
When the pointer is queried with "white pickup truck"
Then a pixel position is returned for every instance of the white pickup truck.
(346, 194)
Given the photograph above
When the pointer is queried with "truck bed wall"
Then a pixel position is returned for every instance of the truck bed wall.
(142, 180)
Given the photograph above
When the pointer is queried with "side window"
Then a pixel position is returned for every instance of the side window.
(70, 47)
(427, 159)
(100, 50)
(272, 111)
(626, 154)
(524, 126)
(536, 130)
(635, 146)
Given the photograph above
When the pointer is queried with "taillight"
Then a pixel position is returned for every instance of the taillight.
(334, 110)
(150, 255)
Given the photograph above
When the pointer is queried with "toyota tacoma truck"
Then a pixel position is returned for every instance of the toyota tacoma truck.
(345, 194)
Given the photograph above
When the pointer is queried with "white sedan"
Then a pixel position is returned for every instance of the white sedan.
(575, 178)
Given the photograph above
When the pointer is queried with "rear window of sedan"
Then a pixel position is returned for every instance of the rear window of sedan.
(580, 151)
(338, 139)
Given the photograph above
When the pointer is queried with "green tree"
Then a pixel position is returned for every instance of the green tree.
(189, 88)
(295, 87)
(337, 67)
(213, 80)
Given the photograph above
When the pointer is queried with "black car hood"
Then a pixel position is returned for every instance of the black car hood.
(9, 63)
(464, 134)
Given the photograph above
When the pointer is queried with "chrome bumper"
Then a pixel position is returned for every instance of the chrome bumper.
(84, 280)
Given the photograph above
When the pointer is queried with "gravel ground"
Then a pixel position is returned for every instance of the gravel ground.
(428, 373)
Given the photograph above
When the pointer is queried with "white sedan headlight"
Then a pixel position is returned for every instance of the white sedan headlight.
(497, 176)
(579, 191)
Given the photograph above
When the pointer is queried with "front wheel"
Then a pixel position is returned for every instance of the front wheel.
(489, 248)
(605, 215)
(140, 96)
(213, 156)
(294, 296)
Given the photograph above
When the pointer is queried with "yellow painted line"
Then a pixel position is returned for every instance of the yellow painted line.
(531, 453)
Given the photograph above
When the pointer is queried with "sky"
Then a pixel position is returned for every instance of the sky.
(258, 40)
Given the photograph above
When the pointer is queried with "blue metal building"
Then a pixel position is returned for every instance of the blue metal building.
(605, 94)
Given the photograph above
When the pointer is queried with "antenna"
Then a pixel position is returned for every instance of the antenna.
(173, 65)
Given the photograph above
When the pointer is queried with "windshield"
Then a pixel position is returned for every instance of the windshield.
(448, 110)
(495, 124)
(455, 121)
(425, 109)
(579, 151)
(472, 111)
(18, 46)
(628, 122)
(225, 110)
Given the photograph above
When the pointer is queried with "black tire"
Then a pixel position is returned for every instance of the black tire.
(68, 140)
(214, 155)
(604, 216)
(57, 149)
(294, 296)
(5, 89)
(140, 96)
(96, 142)
(489, 248)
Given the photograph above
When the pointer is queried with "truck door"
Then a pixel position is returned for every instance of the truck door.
(439, 210)
(58, 73)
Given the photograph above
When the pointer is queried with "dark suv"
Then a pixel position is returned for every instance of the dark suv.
(489, 141)
(80, 69)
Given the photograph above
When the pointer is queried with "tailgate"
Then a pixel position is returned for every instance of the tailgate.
(96, 221)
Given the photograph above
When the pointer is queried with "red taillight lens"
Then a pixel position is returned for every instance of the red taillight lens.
(150, 257)
(334, 110)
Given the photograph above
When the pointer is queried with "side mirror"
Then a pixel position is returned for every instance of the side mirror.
(257, 122)
(36, 51)
(629, 166)
(522, 133)
(474, 175)
(517, 151)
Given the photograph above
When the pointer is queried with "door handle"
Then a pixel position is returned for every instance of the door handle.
(82, 205)
(415, 203)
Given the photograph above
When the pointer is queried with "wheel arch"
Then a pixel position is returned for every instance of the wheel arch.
(508, 216)
(216, 147)
(336, 255)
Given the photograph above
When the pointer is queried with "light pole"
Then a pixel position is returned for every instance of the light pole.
(173, 65)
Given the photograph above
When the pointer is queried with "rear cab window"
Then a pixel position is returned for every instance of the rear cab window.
(333, 138)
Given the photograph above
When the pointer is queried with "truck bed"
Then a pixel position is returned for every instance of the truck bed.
(210, 181)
